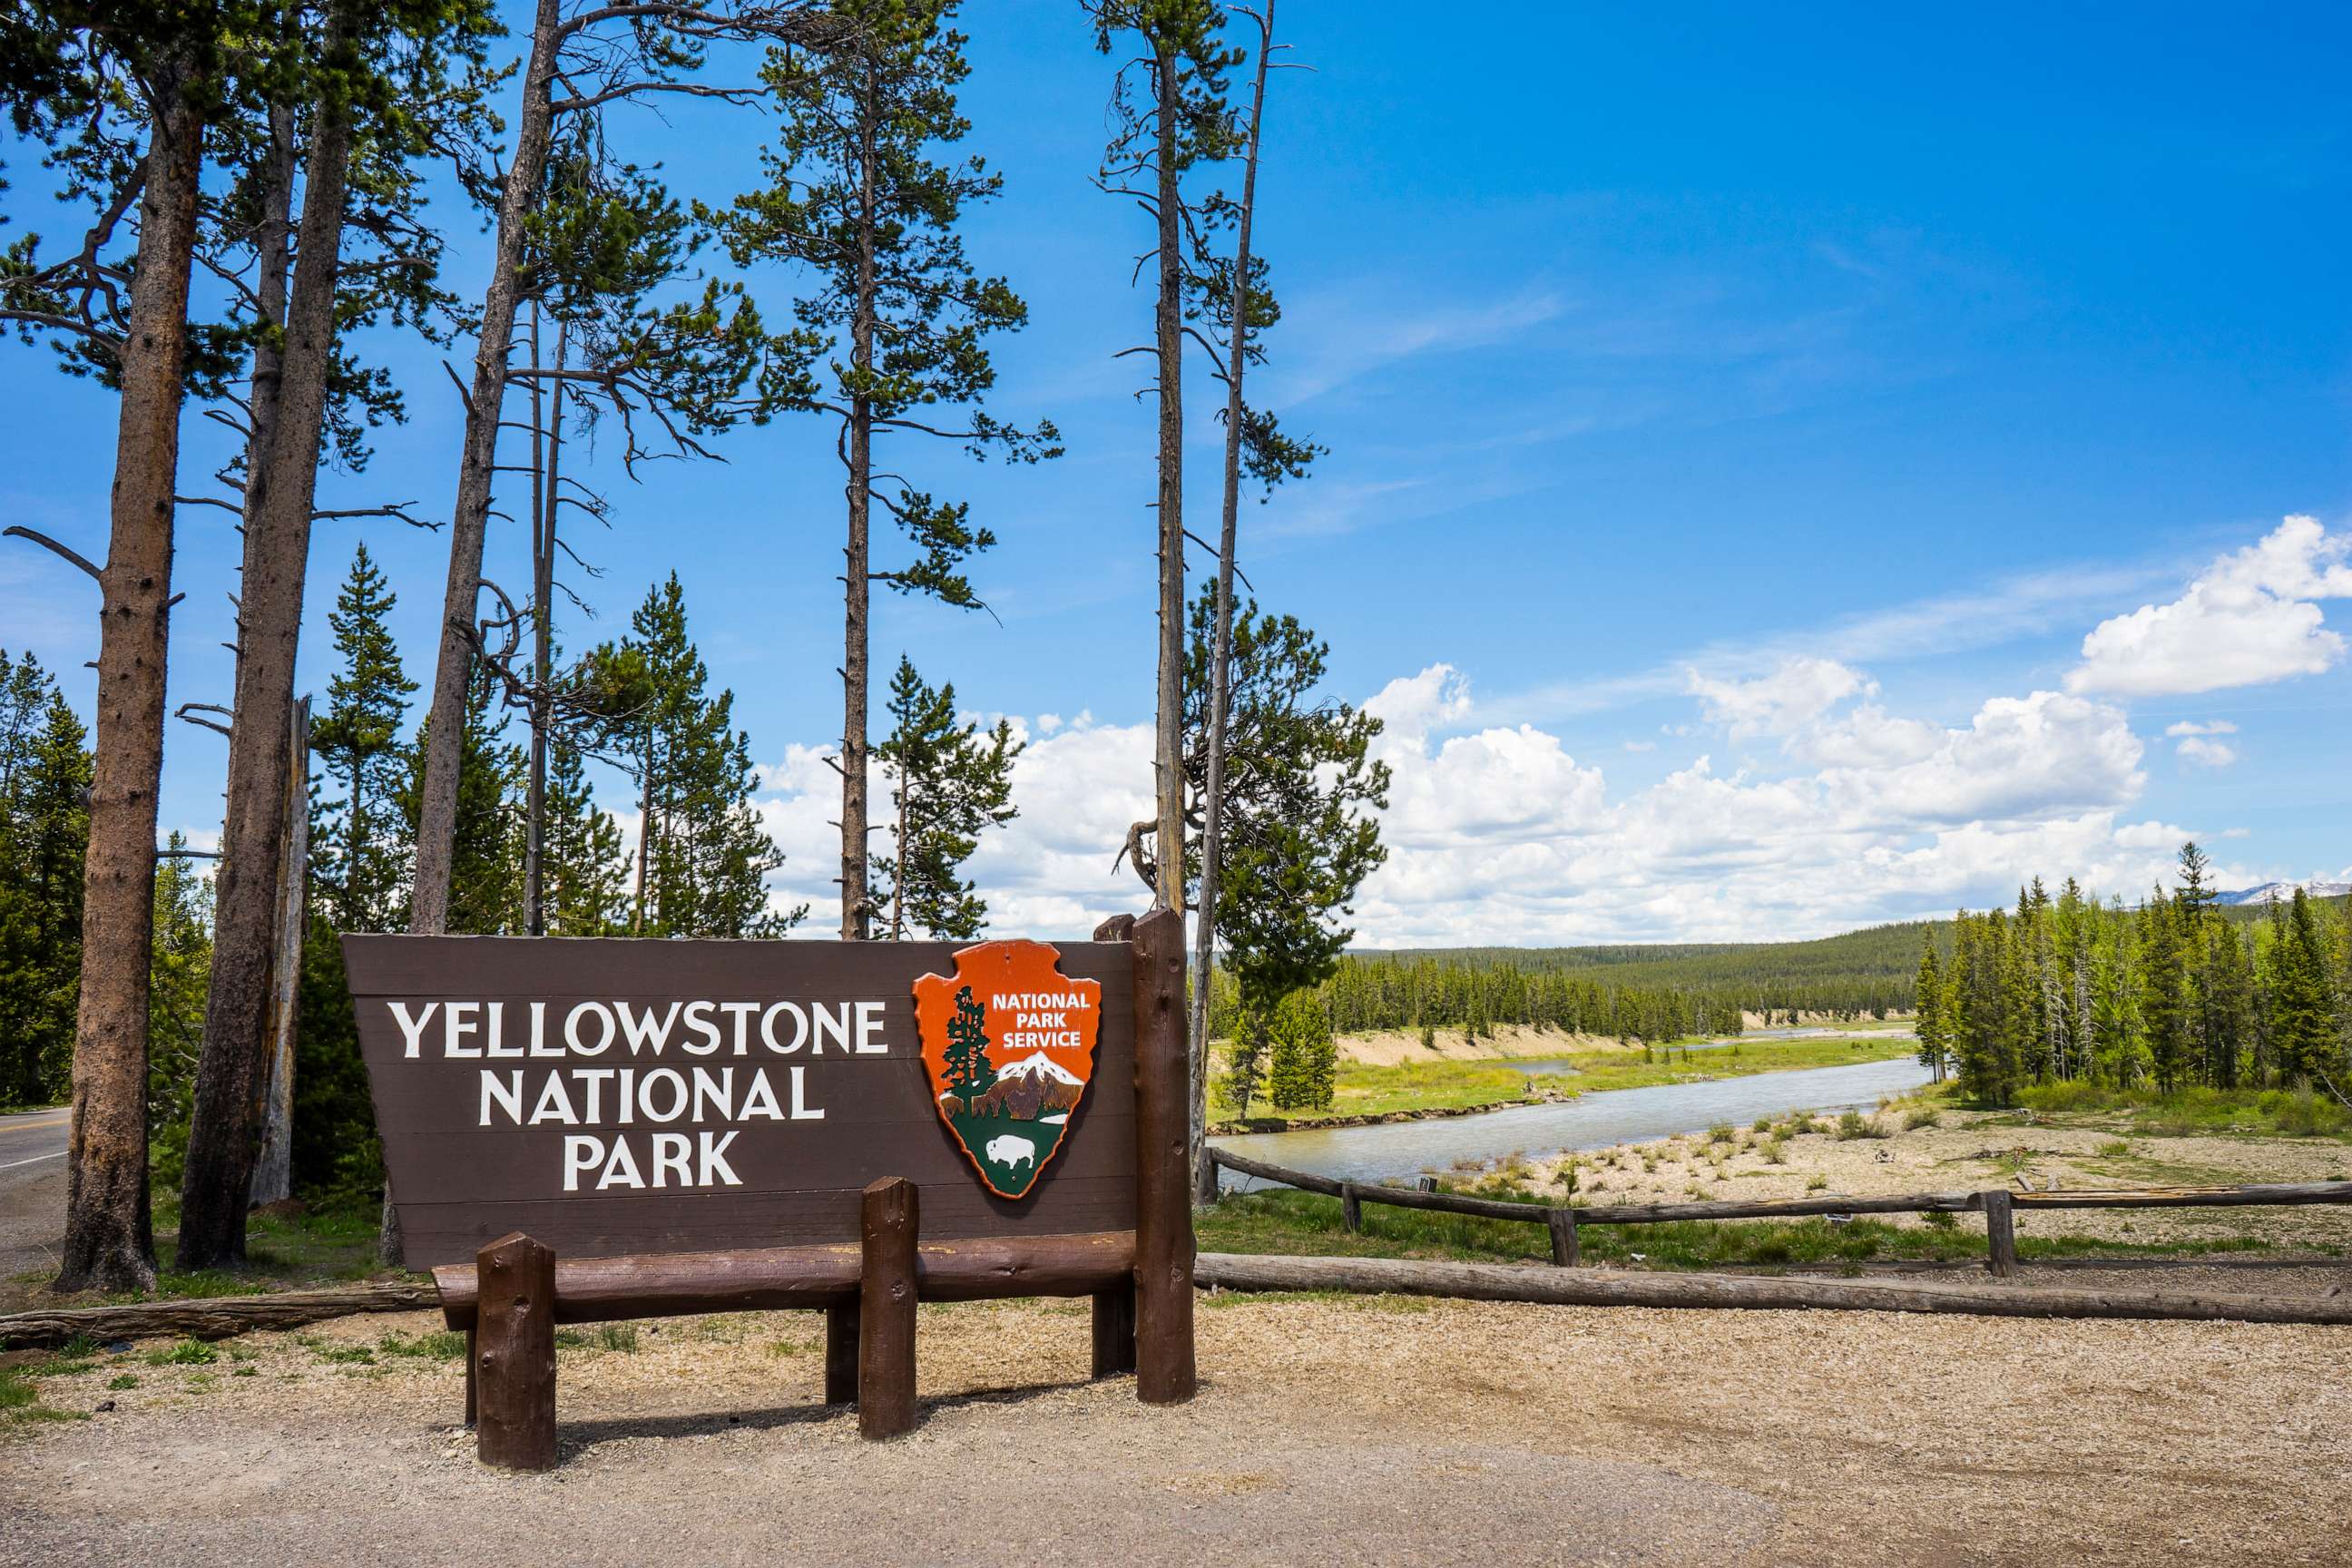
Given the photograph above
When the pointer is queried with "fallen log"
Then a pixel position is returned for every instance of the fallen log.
(216, 1317)
(1601, 1287)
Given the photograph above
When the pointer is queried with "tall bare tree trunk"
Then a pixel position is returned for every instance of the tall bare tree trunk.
(1220, 647)
(224, 1133)
(645, 829)
(436, 827)
(273, 1170)
(547, 493)
(1168, 749)
(856, 577)
(109, 1243)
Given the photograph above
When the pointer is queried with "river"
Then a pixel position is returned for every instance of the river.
(1594, 1120)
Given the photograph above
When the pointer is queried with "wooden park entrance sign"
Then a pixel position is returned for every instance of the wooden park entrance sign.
(583, 1130)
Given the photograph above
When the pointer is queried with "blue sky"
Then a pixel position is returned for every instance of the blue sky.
(1739, 421)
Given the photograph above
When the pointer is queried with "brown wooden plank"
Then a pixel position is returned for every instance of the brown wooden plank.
(458, 1183)
(658, 1223)
(604, 1290)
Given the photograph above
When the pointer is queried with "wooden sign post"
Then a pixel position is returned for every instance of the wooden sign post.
(581, 1131)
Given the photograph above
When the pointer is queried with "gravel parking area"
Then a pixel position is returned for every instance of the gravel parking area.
(1328, 1431)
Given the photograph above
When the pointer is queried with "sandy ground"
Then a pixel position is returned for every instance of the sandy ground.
(1971, 1151)
(1388, 1048)
(1373, 1431)
(1514, 1042)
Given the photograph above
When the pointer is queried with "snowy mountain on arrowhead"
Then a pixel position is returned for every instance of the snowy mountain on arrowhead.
(1040, 1067)
(1034, 1086)
(2280, 892)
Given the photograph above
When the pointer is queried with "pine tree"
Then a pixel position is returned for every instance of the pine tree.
(2229, 1004)
(45, 771)
(703, 856)
(857, 200)
(970, 1072)
(2304, 1039)
(2166, 1003)
(948, 783)
(360, 850)
(1303, 1069)
(179, 972)
(1930, 1010)
(1302, 794)
(1168, 115)
(1246, 1068)
(485, 875)
(587, 865)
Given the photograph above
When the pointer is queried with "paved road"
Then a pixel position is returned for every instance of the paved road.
(32, 1191)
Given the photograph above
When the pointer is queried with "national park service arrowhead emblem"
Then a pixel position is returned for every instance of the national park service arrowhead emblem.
(1010, 1046)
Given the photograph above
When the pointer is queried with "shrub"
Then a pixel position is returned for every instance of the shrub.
(183, 1352)
(1776, 1151)
(121, 1381)
(1719, 1133)
(2116, 1148)
(1922, 1116)
(1854, 1124)
(1816, 1183)
(1763, 1124)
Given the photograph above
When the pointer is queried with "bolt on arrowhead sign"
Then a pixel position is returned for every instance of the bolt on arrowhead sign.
(1009, 1043)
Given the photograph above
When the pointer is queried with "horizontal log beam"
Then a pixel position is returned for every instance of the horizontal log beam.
(213, 1319)
(1259, 1168)
(666, 1285)
(2277, 1193)
(1608, 1288)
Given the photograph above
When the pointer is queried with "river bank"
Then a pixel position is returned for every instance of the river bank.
(1926, 1144)
(1373, 1093)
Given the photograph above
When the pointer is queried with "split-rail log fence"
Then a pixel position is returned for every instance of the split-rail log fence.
(1998, 1204)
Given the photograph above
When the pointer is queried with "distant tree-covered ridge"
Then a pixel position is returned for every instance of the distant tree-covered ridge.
(1657, 991)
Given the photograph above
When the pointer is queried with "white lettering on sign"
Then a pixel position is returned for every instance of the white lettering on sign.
(412, 1029)
(610, 1113)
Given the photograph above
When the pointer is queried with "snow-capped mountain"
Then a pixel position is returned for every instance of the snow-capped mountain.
(2280, 892)
(1038, 1068)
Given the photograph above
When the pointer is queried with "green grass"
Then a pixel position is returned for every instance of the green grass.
(310, 1249)
(183, 1352)
(20, 1393)
(16, 1390)
(1310, 1224)
(1456, 1085)
(439, 1344)
(2196, 1112)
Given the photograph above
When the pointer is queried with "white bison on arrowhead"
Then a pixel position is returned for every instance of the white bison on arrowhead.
(1009, 1151)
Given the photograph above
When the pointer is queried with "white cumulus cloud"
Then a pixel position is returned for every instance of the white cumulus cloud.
(2247, 619)
(1792, 696)
(2208, 753)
